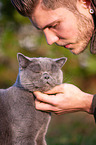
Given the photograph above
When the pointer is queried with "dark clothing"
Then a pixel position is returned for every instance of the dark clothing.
(93, 50)
(93, 41)
(94, 106)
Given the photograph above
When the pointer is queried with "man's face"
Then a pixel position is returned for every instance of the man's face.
(64, 28)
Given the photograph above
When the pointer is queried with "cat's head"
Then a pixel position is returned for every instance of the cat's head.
(40, 74)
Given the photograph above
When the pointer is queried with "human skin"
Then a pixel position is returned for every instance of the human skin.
(73, 34)
(68, 98)
(59, 29)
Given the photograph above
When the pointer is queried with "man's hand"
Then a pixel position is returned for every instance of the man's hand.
(68, 98)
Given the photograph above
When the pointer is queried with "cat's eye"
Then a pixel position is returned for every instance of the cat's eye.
(35, 68)
(54, 68)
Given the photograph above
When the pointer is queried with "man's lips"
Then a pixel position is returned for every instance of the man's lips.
(67, 46)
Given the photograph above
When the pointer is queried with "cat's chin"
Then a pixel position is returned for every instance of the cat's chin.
(42, 89)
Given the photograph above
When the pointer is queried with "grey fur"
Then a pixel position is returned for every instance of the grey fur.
(20, 122)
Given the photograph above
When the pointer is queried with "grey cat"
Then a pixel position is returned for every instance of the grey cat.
(20, 122)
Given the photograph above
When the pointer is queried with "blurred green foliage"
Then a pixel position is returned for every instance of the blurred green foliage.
(18, 35)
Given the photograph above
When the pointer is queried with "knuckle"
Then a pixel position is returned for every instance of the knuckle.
(55, 102)
(62, 86)
(56, 113)
(37, 105)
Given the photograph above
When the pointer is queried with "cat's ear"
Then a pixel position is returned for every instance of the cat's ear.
(23, 60)
(61, 61)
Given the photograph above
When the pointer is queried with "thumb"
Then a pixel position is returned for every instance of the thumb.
(55, 90)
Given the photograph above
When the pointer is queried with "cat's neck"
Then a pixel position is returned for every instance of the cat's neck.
(19, 85)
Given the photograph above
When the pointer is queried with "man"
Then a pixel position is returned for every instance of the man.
(70, 24)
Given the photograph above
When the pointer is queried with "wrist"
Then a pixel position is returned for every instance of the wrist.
(87, 103)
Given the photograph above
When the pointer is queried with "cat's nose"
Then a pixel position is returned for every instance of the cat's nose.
(46, 76)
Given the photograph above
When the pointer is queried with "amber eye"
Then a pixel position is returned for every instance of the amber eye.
(54, 68)
(35, 68)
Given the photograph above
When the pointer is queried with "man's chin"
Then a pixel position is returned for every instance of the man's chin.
(77, 51)
(73, 50)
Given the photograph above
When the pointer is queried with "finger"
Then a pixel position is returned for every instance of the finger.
(49, 108)
(44, 97)
(57, 89)
(44, 107)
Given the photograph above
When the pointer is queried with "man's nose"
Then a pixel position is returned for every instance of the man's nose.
(50, 36)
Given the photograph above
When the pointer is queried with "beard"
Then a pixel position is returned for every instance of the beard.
(85, 28)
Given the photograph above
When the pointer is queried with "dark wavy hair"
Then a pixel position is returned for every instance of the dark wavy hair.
(27, 7)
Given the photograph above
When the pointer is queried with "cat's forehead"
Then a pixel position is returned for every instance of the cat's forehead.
(43, 60)
(44, 63)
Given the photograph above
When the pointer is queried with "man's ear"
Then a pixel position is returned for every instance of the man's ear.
(85, 3)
